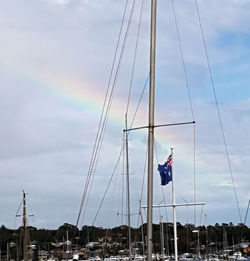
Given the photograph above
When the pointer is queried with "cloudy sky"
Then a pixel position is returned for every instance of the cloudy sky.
(55, 61)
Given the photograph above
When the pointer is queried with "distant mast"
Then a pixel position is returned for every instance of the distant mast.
(24, 228)
(151, 130)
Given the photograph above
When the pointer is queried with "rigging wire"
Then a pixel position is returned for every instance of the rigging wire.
(119, 157)
(139, 102)
(182, 59)
(126, 134)
(110, 180)
(190, 102)
(134, 58)
(217, 107)
(122, 177)
(31, 215)
(163, 195)
(162, 191)
(164, 202)
(18, 211)
(194, 144)
(142, 185)
(116, 189)
(108, 107)
(120, 154)
(245, 219)
(201, 215)
(19, 207)
(104, 115)
(110, 99)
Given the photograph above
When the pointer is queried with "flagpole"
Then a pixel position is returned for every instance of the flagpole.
(174, 212)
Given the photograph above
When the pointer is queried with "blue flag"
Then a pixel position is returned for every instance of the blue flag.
(166, 171)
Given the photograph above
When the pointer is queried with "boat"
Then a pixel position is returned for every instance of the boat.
(212, 257)
(138, 257)
(236, 256)
(186, 257)
(165, 169)
(151, 127)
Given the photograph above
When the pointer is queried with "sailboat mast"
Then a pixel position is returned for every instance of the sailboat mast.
(151, 130)
(142, 231)
(24, 228)
(128, 193)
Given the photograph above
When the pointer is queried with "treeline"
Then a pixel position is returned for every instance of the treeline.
(210, 238)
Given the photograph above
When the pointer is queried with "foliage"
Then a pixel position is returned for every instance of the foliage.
(115, 239)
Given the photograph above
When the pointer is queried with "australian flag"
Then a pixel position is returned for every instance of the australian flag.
(166, 171)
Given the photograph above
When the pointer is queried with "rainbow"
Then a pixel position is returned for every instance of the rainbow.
(68, 88)
(84, 95)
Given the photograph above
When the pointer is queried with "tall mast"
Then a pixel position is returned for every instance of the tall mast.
(151, 130)
(24, 228)
(128, 196)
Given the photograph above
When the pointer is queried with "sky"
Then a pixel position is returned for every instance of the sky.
(55, 62)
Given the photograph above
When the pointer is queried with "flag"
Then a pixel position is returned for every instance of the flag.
(166, 171)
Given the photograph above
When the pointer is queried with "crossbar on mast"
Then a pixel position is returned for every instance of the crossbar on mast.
(161, 125)
(177, 205)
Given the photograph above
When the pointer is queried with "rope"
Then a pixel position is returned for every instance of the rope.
(217, 107)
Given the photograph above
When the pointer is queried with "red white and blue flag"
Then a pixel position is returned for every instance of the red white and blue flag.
(166, 171)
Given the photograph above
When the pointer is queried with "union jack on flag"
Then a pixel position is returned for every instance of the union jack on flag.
(169, 160)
